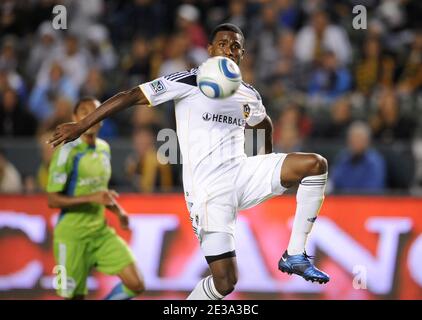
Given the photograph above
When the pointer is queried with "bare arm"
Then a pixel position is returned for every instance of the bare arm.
(119, 211)
(267, 125)
(114, 205)
(70, 131)
(58, 200)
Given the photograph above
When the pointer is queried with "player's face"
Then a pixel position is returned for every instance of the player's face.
(85, 109)
(227, 44)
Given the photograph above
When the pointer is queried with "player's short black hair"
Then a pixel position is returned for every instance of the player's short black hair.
(83, 100)
(226, 27)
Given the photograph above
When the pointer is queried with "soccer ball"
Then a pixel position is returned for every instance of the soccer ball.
(218, 77)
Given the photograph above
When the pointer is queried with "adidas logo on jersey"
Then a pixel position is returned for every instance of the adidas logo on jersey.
(223, 119)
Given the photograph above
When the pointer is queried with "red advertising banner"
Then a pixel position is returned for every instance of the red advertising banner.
(370, 246)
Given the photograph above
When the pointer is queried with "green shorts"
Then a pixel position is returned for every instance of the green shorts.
(106, 252)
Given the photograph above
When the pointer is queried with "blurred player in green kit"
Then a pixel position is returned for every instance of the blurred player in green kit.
(78, 184)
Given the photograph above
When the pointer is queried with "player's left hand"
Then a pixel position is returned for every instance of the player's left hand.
(65, 132)
(124, 220)
(121, 213)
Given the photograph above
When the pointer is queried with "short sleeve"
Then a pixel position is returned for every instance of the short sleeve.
(257, 111)
(59, 169)
(172, 87)
(104, 147)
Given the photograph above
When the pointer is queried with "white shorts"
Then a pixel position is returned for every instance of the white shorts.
(216, 243)
(253, 181)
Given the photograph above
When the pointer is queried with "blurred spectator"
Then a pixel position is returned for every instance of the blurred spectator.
(137, 64)
(283, 69)
(137, 16)
(288, 14)
(43, 95)
(83, 15)
(289, 139)
(417, 151)
(359, 168)
(8, 55)
(376, 29)
(143, 117)
(11, 79)
(388, 124)
(237, 14)
(374, 69)
(15, 120)
(292, 115)
(177, 49)
(62, 113)
(46, 43)
(391, 13)
(410, 79)
(157, 55)
(188, 22)
(320, 36)
(11, 21)
(413, 12)
(94, 85)
(264, 34)
(71, 57)
(143, 167)
(20, 17)
(10, 179)
(336, 124)
(311, 6)
(8, 67)
(330, 80)
(37, 12)
(102, 54)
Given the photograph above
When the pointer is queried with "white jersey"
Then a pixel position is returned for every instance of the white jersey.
(210, 131)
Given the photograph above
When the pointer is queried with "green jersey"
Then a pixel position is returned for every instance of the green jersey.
(78, 169)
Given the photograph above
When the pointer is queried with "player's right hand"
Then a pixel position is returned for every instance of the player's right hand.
(104, 198)
(65, 132)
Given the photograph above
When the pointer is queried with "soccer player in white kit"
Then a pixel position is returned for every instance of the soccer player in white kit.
(218, 178)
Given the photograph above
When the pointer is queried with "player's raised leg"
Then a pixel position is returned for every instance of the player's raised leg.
(113, 256)
(132, 284)
(310, 171)
(219, 251)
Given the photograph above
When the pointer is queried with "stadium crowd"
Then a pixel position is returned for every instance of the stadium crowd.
(353, 95)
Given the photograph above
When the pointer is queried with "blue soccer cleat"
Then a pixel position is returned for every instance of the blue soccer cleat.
(299, 264)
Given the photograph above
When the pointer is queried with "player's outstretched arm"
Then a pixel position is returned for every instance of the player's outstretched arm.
(267, 125)
(72, 130)
(58, 200)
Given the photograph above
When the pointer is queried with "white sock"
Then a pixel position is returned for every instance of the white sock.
(205, 290)
(309, 198)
